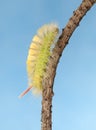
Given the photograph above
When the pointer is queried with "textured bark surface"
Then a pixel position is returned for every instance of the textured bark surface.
(48, 79)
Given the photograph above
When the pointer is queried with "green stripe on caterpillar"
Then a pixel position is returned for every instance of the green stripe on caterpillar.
(38, 55)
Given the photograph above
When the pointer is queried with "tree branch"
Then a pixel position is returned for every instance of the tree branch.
(48, 79)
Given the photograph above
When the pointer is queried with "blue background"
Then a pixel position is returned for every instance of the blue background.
(74, 102)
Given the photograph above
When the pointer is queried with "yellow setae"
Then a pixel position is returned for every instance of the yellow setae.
(38, 55)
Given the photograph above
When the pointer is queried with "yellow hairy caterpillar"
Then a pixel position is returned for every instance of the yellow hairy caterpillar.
(38, 55)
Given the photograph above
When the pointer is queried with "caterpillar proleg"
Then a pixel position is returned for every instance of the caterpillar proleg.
(38, 55)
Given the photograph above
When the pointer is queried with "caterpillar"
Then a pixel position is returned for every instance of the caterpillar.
(38, 55)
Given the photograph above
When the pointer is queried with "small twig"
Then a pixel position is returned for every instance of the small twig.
(48, 79)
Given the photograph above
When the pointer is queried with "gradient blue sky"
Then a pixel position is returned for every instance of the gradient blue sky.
(74, 103)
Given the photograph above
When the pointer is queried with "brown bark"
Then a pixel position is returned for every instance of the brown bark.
(48, 79)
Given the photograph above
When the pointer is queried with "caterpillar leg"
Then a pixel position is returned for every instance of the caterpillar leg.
(26, 91)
